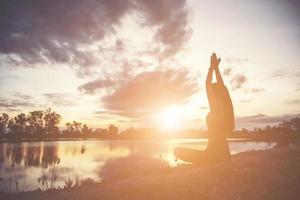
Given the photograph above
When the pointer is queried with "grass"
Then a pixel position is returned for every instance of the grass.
(270, 174)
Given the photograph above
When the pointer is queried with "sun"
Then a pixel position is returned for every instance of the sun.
(170, 118)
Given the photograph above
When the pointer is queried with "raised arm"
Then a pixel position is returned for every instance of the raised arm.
(209, 76)
(214, 63)
(209, 80)
(218, 75)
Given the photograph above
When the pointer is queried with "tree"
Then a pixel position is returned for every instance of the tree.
(85, 129)
(35, 122)
(295, 123)
(17, 125)
(285, 125)
(74, 127)
(52, 120)
(70, 128)
(77, 126)
(245, 131)
(3, 123)
(113, 130)
(101, 131)
(267, 129)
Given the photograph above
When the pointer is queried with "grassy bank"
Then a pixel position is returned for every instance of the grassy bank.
(271, 174)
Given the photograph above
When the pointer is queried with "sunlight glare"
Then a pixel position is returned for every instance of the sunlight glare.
(170, 118)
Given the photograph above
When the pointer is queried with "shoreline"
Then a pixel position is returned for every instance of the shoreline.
(264, 174)
(267, 139)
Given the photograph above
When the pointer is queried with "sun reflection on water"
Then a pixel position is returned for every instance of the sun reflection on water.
(27, 162)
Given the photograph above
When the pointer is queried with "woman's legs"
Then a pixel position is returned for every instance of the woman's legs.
(191, 155)
(216, 151)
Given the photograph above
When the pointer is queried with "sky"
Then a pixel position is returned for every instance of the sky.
(143, 63)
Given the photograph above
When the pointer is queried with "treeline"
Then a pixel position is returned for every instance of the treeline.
(286, 126)
(41, 124)
(284, 132)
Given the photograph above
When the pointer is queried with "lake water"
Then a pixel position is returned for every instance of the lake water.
(25, 166)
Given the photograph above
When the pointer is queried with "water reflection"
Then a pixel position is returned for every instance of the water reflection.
(31, 165)
(33, 154)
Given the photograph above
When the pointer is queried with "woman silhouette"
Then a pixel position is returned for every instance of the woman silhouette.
(220, 121)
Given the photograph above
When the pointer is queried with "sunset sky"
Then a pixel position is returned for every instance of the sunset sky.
(143, 63)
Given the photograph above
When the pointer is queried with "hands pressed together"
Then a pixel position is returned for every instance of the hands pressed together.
(214, 61)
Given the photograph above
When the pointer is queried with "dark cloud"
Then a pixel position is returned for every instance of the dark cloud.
(245, 101)
(293, 102)
(281, 74)
(48, 32)
(122, 72)
(120, 46)
(92, 86)
(59, 99)
(297, 74)
(256, 90)
(148, 92)
(227, 72)
(236, 61)
(15, 104)
(238, 81)
(204, 107)
(278, 74)
(104, 114)
(171, 17)
(294, 9)
(298, 87)
(19, 101)
(5, 76)
(21, 96)
(262, 119)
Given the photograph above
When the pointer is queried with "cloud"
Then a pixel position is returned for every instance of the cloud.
(289, 74)
(293, 102)
(19, 95)
(255, 90)
(59, 99)
(19, 101)
(92, 86)
(50, 31)
(108, 81)
(238, 81)
(236, 61)
(68, 32)
(298, 87)
(264, 119)
(171, 17)
(204, 107)
(227, 72)
(149, 92)
(245, 100)
(15, 104)
(278, 74)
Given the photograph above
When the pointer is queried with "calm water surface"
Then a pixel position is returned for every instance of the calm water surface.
(23, 165)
